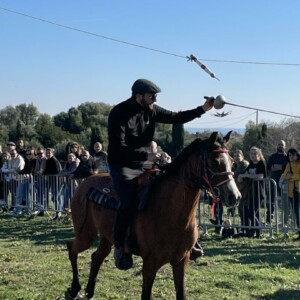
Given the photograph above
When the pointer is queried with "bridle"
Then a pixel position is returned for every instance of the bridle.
(208, 175)
(220, 174)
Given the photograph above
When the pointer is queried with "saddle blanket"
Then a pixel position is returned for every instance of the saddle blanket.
(102, 198)
(105, 195)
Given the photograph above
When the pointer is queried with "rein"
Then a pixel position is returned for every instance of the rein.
(215, 194)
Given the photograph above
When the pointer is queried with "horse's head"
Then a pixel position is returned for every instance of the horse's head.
(206, 163)
(219, 173)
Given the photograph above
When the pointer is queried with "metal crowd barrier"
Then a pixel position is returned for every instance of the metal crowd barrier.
(290, 209)
(30, 195)
(266, 212)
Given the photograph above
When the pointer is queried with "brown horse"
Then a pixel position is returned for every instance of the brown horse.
(167, 229)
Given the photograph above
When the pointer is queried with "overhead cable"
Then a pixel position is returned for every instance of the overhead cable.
(145, 47)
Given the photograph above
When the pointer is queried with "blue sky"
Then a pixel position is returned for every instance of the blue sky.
(56, 68)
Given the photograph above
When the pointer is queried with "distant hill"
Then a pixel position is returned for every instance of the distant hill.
(221, 130)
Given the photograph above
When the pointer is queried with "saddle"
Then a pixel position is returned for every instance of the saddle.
(105, 196)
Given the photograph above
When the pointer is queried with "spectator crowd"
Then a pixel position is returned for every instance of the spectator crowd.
(26, 171)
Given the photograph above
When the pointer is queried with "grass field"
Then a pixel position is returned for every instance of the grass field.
(34, 265)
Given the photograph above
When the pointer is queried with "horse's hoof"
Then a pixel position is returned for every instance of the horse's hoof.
(68, 296)
(82, 296)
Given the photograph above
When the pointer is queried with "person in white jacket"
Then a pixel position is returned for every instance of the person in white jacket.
(3, 182)
(15, 165)
(17, 162)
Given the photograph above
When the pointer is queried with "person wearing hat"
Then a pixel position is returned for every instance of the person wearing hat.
(131, 126)
(10, 146)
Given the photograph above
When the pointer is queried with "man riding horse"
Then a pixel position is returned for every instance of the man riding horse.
(131, 126)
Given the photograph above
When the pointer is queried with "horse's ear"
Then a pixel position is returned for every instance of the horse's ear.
(227, 137)
(212, 139)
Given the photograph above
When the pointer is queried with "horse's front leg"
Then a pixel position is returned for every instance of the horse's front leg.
(149, 273)
(178, 276)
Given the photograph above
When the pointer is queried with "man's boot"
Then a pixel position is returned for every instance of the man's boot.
(196, 251)
(123, 261)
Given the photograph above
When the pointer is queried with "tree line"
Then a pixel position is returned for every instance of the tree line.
(87, 124)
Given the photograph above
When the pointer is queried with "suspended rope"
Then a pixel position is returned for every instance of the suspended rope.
(264, 110)
(144, 47)
(220, 101)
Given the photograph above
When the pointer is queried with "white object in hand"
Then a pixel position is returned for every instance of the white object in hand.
(219, 102)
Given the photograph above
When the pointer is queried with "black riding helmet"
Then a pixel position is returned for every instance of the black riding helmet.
(142, 86)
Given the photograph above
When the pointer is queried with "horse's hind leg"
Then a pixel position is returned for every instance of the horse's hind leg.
(98, 257)
(76, 246)
(178, 275)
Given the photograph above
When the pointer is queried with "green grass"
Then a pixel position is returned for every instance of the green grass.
(34, 265)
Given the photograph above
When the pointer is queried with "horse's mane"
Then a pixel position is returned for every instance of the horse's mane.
(195, 146)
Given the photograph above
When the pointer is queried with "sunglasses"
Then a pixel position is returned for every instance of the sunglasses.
(153, 96)
(40, 153)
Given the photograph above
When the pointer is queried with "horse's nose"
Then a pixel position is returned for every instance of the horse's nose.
(234, 189)
(238, 196)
